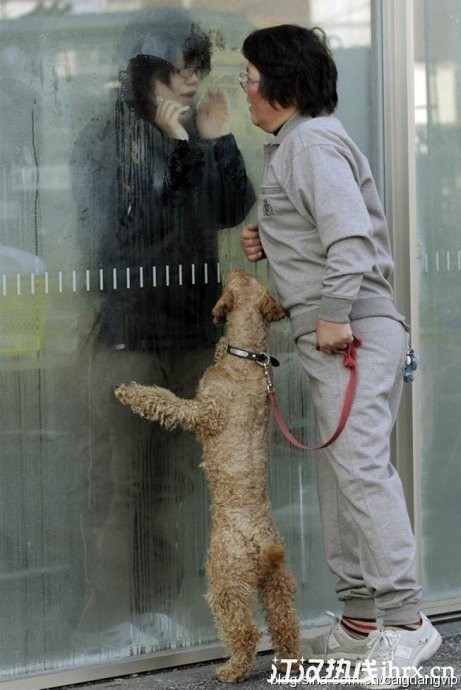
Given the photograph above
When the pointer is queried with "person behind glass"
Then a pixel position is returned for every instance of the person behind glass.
(178, 177)
(322, 229)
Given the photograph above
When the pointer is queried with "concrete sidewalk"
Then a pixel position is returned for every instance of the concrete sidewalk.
(202, 676)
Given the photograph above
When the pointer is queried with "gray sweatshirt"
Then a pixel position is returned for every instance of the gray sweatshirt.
(322, 226)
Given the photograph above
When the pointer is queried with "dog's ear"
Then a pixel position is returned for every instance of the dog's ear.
(271, 310)
(222, 307)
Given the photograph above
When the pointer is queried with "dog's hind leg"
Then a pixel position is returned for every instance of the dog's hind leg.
(231, 605)
(276, 593)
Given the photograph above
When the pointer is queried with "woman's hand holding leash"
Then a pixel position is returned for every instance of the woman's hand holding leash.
(333, 337)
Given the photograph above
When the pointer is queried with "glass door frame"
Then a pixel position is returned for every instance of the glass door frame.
(397, 21)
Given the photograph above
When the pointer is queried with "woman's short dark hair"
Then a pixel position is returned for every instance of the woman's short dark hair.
(296, 67)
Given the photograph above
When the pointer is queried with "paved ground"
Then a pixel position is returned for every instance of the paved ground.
(201, 676)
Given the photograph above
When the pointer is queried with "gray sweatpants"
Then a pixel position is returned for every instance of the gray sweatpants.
(367, 534)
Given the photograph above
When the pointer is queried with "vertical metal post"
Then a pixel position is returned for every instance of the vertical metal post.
(401, 205)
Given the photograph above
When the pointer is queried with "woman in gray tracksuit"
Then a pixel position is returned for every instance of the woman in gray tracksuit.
(323, 231)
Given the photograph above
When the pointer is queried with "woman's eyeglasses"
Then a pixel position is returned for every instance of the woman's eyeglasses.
(188, 72)
(184, 72)
(244, 80)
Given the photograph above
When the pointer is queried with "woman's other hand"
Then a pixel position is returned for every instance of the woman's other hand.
(251, 243)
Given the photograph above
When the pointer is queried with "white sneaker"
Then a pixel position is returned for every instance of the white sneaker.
(336, 644)
(394, 655)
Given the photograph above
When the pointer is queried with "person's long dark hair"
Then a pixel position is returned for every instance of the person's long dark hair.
(196, 51)
(296, 67)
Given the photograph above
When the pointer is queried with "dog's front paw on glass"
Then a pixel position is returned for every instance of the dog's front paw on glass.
(126, 393)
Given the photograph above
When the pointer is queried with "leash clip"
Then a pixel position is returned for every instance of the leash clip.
(270, 385)
(263, 359)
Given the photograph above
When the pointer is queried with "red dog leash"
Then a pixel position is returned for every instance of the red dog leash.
(349, 361)
(264, 360)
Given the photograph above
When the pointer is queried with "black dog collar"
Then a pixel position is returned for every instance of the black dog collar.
(262, 358)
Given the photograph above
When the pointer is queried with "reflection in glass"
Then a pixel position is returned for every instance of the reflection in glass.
(90, 190)
(177, 175)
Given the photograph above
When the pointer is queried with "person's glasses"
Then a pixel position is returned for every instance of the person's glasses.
(188, 72)
(244, 80)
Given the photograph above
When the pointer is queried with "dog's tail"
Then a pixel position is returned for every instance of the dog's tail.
(273, 555)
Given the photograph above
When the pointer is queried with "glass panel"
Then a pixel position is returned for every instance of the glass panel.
(114, 239)
(438, 116)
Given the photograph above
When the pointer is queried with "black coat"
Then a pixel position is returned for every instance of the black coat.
(156, 204)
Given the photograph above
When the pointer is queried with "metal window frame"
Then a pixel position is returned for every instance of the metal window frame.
(114, 669)
(394, 24)
(397, 23)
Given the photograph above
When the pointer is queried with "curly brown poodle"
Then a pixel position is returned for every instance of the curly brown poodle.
(230, 416)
